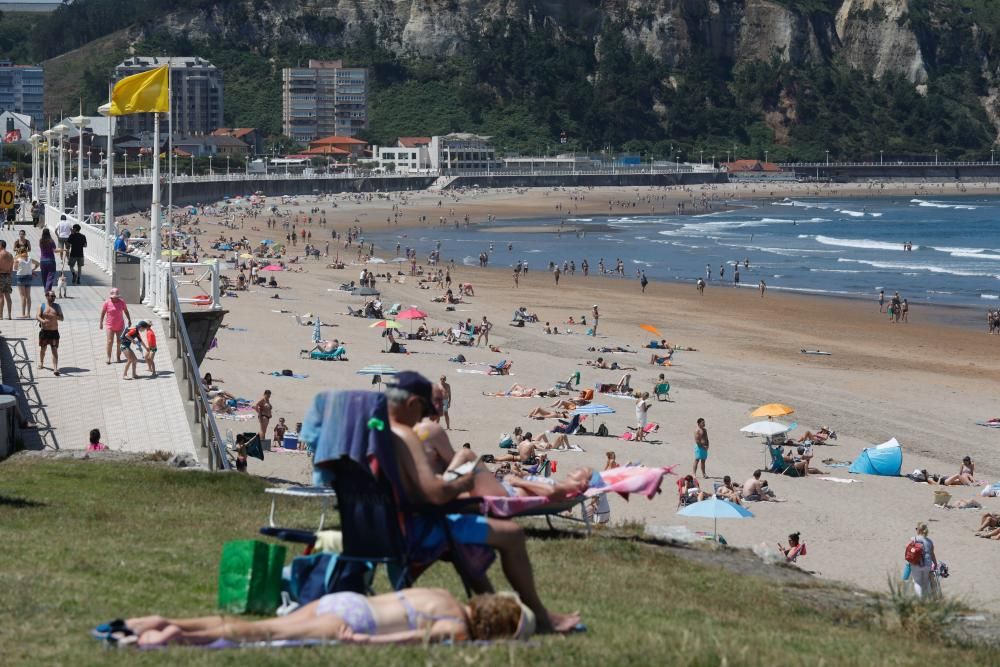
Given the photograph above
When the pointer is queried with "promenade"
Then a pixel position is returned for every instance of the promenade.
(143, 415)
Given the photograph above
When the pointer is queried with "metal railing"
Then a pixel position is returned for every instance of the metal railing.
(204, 417)
(888, 163)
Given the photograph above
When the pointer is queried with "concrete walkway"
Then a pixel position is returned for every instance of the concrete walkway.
(141, 415)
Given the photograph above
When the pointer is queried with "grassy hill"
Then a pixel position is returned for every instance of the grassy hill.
(88, 541)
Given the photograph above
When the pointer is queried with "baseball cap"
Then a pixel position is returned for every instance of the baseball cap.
(418, 385)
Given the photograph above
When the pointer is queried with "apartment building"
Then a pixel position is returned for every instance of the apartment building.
(196, 95)
(21, 90)
(324, 99)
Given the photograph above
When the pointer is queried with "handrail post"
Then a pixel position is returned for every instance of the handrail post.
(216, 281)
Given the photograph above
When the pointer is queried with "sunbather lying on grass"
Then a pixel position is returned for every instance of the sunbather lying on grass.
(414, 615)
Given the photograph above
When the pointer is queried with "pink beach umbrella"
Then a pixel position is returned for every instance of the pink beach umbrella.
(412, 314)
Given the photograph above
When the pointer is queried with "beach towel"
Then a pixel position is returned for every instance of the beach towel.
(989, 424)
(345, 423)
(840, 481)
(282, 374)
(628, 480)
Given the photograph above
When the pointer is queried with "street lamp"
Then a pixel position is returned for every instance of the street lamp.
(765, 157)
(828, 158)
(210, 172)
(80, 122)
(935, 156)
(227, 164)
(48, 134)
(34, 139)
(701, 156)
(109, 194)
(880, 161)
(192, 165)
(61, 131)
(991, 155)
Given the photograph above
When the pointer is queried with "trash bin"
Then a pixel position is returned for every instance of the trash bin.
(128, 277)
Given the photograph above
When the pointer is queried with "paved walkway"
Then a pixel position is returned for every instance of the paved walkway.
(133, 415)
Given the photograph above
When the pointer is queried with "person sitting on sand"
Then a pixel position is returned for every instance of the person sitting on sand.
(220, 405)
(965, 476)
(728, 491)
(794, 549)
(656, 360)
(988, 521)
(623, 386)
(689, 491)
(413, 615)
(756, 490)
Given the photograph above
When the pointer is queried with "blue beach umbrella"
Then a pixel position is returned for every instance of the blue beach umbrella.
(594, 409)
(716, 508)
(317, 336)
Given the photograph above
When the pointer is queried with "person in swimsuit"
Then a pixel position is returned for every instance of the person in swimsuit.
(151, 351)
(49, 316)
(700, 448)
(132, 336)
(965, 476)
(263, 409)
(47, 255)
(413, 615)
(445, 401)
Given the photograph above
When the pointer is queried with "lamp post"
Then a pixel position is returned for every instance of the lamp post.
(880, 160)
(210, 172)
(765, 157)
(935, 156)
(48, 134)
(61, 131)
(227, 164)
(80, 122)
(109, 193)
(35, 152)
(828, 158)
(125, 156)
(701, 156)
(192, 165)
(991, 155)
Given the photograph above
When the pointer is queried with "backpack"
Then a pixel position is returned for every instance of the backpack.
(914, 553)
(602, 430)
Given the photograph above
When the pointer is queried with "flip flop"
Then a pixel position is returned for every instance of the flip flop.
(104, 629)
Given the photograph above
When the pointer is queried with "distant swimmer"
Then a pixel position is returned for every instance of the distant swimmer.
(763, 288)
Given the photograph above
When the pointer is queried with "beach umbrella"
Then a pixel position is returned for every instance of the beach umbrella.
(377, 370)
(651, 329)
(365, 291)
(267, 241)
(716, 508)
(398, 260)
(272, 267)
(224, 246)
(376, 260)
(317, 335)
(594, 409)
(384, 324)
(412, 314)
(768, 428)
(772, 410)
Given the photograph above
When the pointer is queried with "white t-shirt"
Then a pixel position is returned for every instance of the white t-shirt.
(641, 411)
(23, 267)
(64, 229)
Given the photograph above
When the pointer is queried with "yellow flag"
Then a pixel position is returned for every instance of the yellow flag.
(146, 92)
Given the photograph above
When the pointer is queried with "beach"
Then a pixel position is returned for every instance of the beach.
(925, 382)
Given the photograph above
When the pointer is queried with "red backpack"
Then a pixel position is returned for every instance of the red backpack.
(914, 553)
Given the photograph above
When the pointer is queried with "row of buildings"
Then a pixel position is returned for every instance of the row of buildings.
(322, 99)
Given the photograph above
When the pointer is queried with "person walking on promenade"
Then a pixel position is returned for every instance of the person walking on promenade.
(49, 316)
(47, 252)
(25, 268)
(6, 280)
(114, 312)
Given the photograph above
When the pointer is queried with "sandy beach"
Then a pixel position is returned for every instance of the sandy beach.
(925, 382)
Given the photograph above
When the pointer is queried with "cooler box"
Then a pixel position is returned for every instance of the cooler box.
(290, 441)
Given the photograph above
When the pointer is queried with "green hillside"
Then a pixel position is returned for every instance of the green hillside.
(528, 81)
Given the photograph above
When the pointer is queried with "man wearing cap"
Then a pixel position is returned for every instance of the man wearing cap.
(594, 316)
(411, 399)
(114, 312)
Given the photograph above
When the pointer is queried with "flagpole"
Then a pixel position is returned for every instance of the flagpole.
(109, 188)
(154, 215)
(170, 167)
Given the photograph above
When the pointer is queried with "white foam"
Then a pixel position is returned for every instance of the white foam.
(949, 249)
(837, 271)
(579, 219)
(936, 204)
(861, 243)
(853, 214)
(989, 296)
(898, 266)
(975, 255)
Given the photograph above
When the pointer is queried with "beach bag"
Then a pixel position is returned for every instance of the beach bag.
(506, 442)
(906, 572)
(602, 430)
(250, 577)
(914, 553)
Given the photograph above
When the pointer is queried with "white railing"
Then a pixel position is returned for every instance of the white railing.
(96, 251)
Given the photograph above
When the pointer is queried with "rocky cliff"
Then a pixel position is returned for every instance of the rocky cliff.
(764, 69)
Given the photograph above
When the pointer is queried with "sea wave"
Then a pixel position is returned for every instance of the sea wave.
(989, 296)
(936, 204)
(975, 255)
(861, 243)
(853, 214)
(838, 271)
(932, 268)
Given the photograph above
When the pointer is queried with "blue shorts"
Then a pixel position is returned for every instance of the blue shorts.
(465, 529)
(700, 453)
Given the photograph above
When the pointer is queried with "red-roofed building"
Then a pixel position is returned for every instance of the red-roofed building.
(354, 147)
(754, 166)
(414, 142)
(248, 135)
(327, 149)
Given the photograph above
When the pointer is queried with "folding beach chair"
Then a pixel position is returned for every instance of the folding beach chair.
(501, 368)
(567, 427)
(662, 391)
(778, 464)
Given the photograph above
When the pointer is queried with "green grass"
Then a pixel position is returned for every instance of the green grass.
(84, 542)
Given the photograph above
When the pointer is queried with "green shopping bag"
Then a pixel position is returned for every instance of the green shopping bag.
(250, 577)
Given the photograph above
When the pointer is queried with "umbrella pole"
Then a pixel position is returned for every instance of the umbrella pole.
(716, 530)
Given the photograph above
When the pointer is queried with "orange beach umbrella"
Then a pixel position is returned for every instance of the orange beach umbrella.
(772, 410)
(651, 329)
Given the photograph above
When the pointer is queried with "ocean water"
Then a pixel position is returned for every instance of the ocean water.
(847, 248)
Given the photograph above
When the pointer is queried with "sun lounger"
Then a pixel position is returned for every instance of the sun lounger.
(501, 368)
(340, 354)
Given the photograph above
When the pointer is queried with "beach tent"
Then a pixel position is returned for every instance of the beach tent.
(886, 459)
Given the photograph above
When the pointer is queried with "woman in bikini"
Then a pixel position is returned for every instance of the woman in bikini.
(965, 476)
(263, 409)
(413, 615)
